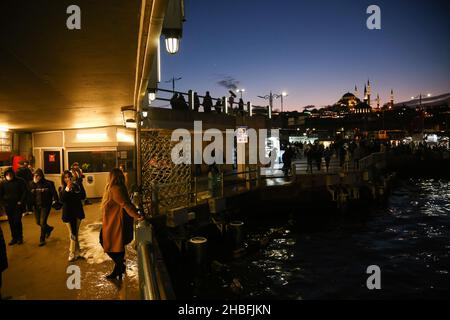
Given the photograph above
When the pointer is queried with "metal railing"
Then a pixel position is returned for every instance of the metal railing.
(373, 159)
(154, 282)
(215, 186)
(226, 106)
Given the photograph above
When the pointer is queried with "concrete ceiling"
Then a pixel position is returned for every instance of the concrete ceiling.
(54, 78)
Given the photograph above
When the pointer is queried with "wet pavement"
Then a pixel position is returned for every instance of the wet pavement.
(40, 273)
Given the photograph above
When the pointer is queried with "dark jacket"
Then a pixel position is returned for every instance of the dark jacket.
(72, 206)
(207, 103)
(25, 174)
(14, 191)
(3, 257)
(43, 193)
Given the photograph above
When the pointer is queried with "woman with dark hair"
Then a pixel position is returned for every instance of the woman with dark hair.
(114, 203)
(71, 195)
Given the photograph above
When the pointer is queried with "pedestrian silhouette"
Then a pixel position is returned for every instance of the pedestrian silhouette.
(182, 104)
(173, 101)
(218, 106)
(196, 102)
(207, 103)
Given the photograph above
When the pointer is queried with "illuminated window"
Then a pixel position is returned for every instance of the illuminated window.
(94, 161)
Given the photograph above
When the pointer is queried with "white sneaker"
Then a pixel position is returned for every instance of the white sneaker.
(72, 257)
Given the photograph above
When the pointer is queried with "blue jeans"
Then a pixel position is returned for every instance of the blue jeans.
(41, 214)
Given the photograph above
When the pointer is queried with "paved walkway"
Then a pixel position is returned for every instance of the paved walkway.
(37, 273)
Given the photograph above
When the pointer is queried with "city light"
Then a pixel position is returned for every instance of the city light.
(92, 137)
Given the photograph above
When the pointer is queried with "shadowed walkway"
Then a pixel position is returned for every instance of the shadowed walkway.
(37, 273)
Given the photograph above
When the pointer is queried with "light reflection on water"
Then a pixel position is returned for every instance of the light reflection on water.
(409, 239)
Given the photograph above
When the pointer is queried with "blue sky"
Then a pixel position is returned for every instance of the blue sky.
(315, 50)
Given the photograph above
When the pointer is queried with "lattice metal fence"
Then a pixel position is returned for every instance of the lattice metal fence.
(164, 184)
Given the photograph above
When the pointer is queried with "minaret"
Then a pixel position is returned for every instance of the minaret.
(365, 93)
(368, 92)
(392, 98)
(356, 91)
(378, 101)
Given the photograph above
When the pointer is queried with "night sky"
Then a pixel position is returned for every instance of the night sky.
(315, 50)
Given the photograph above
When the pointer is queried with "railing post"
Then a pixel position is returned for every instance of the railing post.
(248, 182)
(225, 104)
(195, 190)
(258, 176)
(191, 99)
(221, 183)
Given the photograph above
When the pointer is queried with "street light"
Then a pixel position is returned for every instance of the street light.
(151, 96)
(173, 25)
(270, 98)
(420, 98)
(173, 82)
(240, 91)
(283, 94)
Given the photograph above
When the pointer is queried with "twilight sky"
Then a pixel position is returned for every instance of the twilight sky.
(316, 50)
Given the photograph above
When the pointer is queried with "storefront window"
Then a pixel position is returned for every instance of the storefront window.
(5, 141)
(94, 161)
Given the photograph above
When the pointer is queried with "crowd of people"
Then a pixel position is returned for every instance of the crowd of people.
(348, 152)
(422, 150)
(178, 102)
(29, 189)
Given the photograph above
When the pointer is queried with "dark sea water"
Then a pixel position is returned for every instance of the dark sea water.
(408, 238)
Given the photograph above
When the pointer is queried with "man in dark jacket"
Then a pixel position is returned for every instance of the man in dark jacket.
(25, 173)
(44, 194)
(13, 193)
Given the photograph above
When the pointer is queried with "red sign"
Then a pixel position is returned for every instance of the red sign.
(51, 158)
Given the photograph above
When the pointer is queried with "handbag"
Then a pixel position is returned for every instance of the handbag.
(127, 228)
(57, 205)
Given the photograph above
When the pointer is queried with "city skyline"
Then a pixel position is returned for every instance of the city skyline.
(325, 59)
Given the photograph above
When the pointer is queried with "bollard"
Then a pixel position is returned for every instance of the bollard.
(198, 253)
(235, 232)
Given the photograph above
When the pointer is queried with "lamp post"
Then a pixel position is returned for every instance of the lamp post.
(173, 82)
(240, 91)
(270, 98)
(422, 113)
(420, 98)
(283, 94)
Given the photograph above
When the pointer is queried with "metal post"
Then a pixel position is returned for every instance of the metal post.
(191, 99)
(225, 103)
(270, 104)
(195, 189)
(258, 176)
(221, 183)
(138, 155)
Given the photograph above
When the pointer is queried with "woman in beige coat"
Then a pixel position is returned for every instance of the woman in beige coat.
(115, 202)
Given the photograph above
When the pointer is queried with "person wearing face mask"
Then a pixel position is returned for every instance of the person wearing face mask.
(43, 194)
(13, 193)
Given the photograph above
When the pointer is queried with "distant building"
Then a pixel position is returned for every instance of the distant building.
(351, 103)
